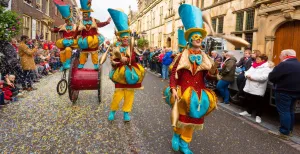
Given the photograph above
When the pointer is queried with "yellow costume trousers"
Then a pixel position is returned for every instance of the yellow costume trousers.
(186, 133)
(84, 55)
(127, 94)
(66, 54)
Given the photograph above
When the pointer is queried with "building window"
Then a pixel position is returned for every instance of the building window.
(47, 33)
(153, 19)
(148, 22)
(161, 15)
(202, 3)
(27, 25)
(47, 6)
(214, 23)
(28, 2)
(152, 39)
(238, 35)
(239, 21)
(159, 39)
(250, 20)
(38, 27)
(249, 38)
(39, 4)
(220, 24)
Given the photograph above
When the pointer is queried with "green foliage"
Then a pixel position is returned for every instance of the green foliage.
(10, 24)
(142, 43)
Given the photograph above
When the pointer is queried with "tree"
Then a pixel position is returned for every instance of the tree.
(10, 24)
(141, 43)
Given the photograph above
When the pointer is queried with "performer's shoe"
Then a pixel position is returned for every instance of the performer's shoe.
(184, 147)
(111, 116)
(126, 117)
(96, 67)
(80, 66)
(67, 64)
(175, 142)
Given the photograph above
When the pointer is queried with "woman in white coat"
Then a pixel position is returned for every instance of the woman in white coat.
(256, 85)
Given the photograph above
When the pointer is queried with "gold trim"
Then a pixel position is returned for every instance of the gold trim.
(123, 31)
(82, 10)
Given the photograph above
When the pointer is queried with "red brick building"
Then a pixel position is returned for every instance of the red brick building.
(39, 16)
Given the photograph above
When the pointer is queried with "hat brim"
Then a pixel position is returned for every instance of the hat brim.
(191, 30)
(124, 31)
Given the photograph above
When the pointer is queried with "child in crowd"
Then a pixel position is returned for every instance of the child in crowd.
(1, 93)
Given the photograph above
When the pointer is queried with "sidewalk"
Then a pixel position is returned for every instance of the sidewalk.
(268, 123)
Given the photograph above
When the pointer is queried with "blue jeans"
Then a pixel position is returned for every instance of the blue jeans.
(285, 107)
(165, 71)
(222, 87)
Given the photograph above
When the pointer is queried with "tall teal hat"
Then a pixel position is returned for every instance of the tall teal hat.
(181, 40)
(86, 6)
(121, 21)
(191, 17)
(64, 9)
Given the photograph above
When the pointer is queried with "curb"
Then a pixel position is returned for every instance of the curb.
(264, 126)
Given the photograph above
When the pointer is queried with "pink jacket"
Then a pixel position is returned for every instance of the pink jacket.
(160, 57)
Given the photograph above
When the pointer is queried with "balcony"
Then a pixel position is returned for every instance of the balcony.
(259, 2)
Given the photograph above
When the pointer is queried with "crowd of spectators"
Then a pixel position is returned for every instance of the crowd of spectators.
(24, 62)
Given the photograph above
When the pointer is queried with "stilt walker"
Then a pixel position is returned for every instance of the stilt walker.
(127, 74)
(187, 94)
(68, 33)
(89, 39)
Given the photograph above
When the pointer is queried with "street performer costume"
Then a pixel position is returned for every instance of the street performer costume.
(127, 74)
(89, 39)
(181, 40)
(68, 33)
(187, 94)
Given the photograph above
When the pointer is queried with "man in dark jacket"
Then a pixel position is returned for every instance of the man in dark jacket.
(9, 63)
(245, 63)
(285, 78)
(227, 72)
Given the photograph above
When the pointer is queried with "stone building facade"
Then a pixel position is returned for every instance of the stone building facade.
(39, 16)
(269, 25)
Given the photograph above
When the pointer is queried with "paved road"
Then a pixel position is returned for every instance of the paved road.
(44, 122)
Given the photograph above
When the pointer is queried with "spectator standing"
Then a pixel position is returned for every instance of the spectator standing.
(224, 55)
(27, 62)
(244, 64)
(285, 78)
(217, 58)
(145, 57)
(227, 76)
(166, 62)
(256, 85)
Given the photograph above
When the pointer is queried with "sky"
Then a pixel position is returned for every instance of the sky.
(100, 12)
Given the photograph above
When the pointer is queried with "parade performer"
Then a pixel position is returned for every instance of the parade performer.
(68, 33)
(127, 74)
(187, 94)
(88, 38)
(181, 40)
